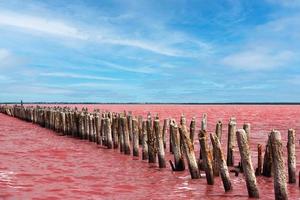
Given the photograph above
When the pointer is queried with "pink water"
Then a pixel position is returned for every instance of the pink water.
(37, 164)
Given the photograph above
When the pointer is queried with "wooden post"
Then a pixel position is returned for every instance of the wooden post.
(267, 166)
(247, 128)
(129, 125)
(107, 131)
(151, 141)
(91, 134)
(97, 127)
(121, 135)
(145, 141)
(115, 132)
(278, 166)
(178, 157)
(206, 156)
(164, 133)
(126, 136)
(102, 131)
(135, 137)
(140, 126)
(221, 161)
(291, 156)
(219, 130)
(231, 141)
(204, 122)
(159, 144)
(192, 129)
(259, 160)
(86, 124)
(170, 139)
(247, 163)
(189, 152)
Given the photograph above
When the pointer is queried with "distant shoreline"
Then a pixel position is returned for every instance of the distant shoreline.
(157, 103)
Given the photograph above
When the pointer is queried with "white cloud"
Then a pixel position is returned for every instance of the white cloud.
(44, 25)
(102, 34)
(79, 76)
(142, 70)
(8, 60)
(258, 59)
(4, 54)
(286, 3)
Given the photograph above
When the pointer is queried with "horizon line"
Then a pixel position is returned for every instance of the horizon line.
(161, 103)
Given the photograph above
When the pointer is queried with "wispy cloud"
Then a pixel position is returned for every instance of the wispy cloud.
(4, 54)
(79, 76)
(258, 59)
(103, 34)
(43, 25)
(287, 3)
(135, 69)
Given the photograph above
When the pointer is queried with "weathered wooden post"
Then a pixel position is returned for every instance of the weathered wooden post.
(135, 137)
(291, 156)
(165, 131)
(86, 126)
(259, 160)
(192, 129)
(247, 163)
(219, 130)
(102, 131)
(170, 139)
(91, 134)
(206, 156)
(115, 131)
(278, 166)
(203, 127)
(221, 161)
(247, 128)
(159, 144)
(140, 124)
(178, 157)
(151, 141)
(144, 141)
(97, 127)
(129, 124)
(231, 141)
(189, 151)
(204, 122)
(126, 136)
(121, 135)
(107, 131)
(267, 166)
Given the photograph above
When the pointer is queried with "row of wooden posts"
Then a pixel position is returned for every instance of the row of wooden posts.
(124, 131)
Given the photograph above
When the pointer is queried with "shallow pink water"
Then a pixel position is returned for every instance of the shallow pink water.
(37, 164)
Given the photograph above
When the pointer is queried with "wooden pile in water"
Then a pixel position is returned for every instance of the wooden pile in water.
(130, 134)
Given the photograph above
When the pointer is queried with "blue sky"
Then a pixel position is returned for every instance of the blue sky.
(150, 51)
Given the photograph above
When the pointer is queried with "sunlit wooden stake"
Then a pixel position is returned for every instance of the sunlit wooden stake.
(144, 141)
(231, 141)
(135, 137)
(247, 163)
(151, 141)
(278, 166)
(126, 136)
(206, 156)
(159, 144)
(189, 152)
(291, 156)
(221, 161)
